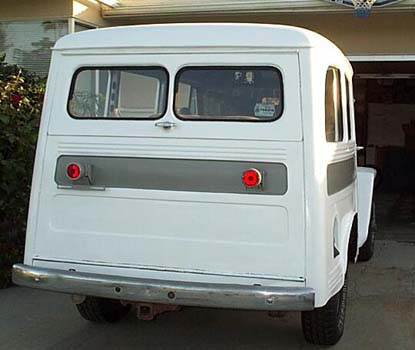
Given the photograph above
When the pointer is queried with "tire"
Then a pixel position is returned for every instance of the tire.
(368, 249)
(325, 325)
(102, 310)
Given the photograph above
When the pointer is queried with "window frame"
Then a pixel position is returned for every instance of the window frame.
(84, 68)
(349, 108)
(339, 74)
(230, 67)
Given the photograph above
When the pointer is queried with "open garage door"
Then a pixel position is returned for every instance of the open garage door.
(385, 126)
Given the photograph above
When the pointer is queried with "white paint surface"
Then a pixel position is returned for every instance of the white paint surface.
(277, 239)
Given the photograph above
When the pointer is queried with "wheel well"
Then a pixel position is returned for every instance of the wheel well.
(352, 248)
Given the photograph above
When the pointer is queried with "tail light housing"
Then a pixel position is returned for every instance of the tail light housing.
(74, 171)
(252, 178)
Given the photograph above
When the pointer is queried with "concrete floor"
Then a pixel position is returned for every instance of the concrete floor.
(380, 315)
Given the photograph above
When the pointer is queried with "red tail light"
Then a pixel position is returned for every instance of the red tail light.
(252, 178)
(74, 171)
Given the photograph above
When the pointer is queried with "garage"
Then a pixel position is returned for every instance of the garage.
(385, 127)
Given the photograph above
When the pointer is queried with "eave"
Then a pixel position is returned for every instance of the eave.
(199, 8)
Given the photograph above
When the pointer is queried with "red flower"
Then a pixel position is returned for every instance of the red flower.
(16, 98)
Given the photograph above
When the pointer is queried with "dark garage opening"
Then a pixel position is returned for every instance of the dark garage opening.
(385, 126)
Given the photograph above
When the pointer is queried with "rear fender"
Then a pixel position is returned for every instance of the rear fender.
(365, 184)
(347, 237)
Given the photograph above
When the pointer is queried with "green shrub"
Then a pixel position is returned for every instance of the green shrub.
(21, 97)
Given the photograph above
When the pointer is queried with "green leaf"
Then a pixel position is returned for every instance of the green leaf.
(4, 119)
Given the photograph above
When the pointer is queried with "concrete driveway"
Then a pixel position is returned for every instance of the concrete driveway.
(380, 315)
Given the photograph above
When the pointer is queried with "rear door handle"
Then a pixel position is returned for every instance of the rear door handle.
(165, 125)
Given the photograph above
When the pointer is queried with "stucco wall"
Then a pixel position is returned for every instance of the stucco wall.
(32, 9)
(85, 10)
(381, 33)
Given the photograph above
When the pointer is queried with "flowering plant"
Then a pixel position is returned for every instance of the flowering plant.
(21, 98)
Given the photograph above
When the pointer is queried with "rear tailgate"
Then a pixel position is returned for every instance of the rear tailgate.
(214, 231)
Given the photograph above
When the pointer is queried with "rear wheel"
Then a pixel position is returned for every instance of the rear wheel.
(102, 310)
(325, 325)
(368, 249)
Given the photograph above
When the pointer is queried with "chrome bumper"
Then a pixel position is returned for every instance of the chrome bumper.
(166, 292)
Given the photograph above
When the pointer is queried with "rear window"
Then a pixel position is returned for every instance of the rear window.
(252, 94)
(119, 93)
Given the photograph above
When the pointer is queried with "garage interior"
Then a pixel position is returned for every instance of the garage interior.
(385, 125)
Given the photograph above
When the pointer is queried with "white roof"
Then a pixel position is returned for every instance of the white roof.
(194, 35)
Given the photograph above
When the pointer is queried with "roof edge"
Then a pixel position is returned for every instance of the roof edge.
(193, 34)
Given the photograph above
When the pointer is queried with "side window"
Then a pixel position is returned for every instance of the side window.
(349, 102)
(333, 106)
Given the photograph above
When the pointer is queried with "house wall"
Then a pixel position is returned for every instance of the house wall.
(87, 11)
(31, 9)
(383, 33)
(29, 28)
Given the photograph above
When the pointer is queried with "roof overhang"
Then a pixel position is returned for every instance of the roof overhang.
(160, 9)
(376, 4)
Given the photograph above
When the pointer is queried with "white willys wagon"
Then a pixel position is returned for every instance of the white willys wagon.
(199, 165)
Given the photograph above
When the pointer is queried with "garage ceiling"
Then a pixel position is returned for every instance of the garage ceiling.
(385, 68)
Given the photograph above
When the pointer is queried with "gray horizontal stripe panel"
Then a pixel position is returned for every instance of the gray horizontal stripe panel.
(340, 175)
(174, 174)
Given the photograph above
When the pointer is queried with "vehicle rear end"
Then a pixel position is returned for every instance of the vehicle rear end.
(171, 175)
